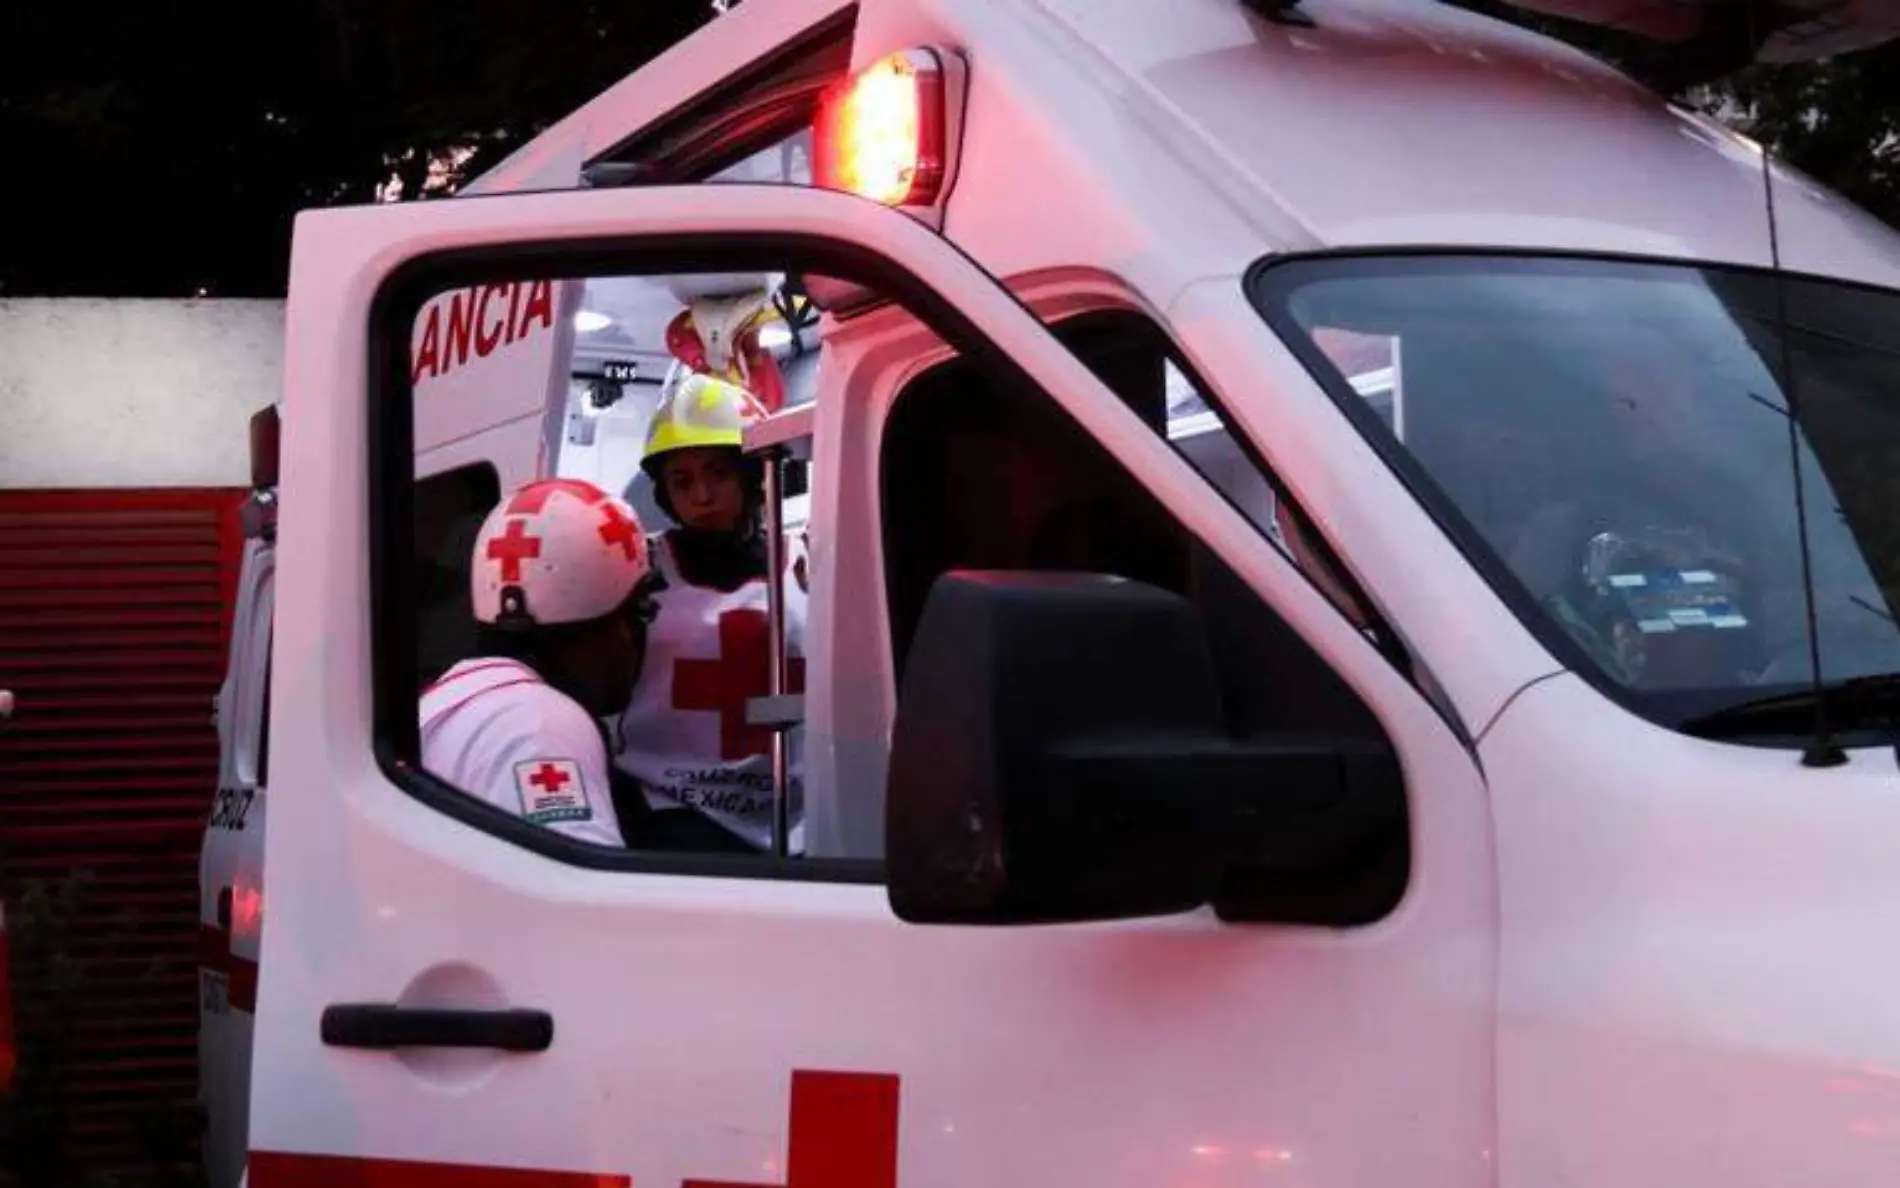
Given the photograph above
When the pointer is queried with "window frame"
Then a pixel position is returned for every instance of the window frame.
(1387, 640)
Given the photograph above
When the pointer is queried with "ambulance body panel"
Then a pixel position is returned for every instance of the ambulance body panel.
(1622, 955)
(1690, 953)
(1390, 124)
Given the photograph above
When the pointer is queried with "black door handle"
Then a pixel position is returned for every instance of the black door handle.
(384, 1025)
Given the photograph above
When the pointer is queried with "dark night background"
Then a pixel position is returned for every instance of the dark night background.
(160, 148)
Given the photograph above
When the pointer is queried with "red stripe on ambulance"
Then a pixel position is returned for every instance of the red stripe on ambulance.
(278, 1169)
(843, 1135)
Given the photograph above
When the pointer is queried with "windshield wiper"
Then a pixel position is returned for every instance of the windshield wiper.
(1857, 703)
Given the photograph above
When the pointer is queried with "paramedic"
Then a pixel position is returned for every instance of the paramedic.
(555, 580)
(683, 735)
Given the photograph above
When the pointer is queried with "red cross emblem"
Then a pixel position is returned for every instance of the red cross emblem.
(742, 671)
(550, 778)
(532, 499)
(843, 1132)
(512, 548)
(617, 529)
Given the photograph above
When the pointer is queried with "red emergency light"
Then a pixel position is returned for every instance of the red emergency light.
(884, 133)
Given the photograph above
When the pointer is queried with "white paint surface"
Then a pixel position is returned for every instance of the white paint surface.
(101, 392)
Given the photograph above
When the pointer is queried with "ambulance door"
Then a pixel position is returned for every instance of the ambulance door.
(232, 871)
(456, 996)
(231, 861)
(489, 368)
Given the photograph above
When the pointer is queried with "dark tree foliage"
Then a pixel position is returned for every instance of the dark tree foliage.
(162, 147)
(1836, 120)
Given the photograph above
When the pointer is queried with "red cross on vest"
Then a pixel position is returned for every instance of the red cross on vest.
(550, 778)
(512, 548)
(742, 671)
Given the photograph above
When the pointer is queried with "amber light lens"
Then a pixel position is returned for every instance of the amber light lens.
(880, 135)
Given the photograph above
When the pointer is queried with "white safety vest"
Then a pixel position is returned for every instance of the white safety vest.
(495, 729)
(683, 735)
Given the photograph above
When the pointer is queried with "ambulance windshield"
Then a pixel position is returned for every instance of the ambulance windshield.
(1611, 445)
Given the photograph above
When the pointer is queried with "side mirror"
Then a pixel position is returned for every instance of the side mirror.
(266, 435)
(1060, 754)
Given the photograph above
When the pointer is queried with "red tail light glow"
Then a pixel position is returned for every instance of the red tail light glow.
(881, 135)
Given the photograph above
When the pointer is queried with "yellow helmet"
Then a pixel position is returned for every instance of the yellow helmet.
(701, 410)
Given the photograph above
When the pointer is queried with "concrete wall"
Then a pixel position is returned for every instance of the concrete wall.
(134, 393)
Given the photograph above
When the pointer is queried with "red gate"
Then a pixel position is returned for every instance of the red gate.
(114, 611)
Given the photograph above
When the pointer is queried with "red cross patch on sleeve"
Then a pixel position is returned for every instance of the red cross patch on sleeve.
(552, 790)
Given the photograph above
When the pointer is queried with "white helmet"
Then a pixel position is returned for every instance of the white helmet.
(556, 551)
(700, 286)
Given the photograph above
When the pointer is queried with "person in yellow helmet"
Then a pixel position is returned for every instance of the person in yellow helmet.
(703, 773)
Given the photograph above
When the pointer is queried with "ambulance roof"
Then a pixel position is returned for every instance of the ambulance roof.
(1410, 122)
(1384, 123)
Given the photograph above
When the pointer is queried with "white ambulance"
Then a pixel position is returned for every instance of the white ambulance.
(1478, 770)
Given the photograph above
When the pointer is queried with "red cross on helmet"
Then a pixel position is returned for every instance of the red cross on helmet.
(556, 551)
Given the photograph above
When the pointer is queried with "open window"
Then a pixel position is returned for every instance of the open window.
(673, 766)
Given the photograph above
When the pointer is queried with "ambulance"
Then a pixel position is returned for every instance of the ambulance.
(1350, 636)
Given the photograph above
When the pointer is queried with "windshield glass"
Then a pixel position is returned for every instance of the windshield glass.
(1610, 444)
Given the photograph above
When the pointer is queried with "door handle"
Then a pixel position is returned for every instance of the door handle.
(384, 1026)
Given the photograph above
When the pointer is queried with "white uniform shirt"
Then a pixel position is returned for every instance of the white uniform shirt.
(683, 734)
(496, 730)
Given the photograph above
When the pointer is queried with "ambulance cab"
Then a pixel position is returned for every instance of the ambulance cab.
(1344, 632)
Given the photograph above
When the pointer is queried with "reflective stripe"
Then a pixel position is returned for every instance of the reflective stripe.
(470, 668)
(282, 1169)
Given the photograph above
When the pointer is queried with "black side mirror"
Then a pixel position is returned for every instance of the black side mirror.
(1060, 754)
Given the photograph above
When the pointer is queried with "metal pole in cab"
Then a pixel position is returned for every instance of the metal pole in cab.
(781, 437)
